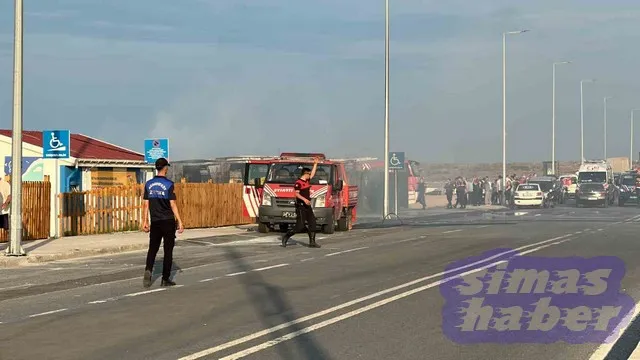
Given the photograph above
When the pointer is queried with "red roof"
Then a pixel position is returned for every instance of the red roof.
(84, 147)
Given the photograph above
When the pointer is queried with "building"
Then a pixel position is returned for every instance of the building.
(92, 164)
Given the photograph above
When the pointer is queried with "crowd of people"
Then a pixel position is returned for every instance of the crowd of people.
(482, 191)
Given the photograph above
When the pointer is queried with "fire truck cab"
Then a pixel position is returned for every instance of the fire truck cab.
(333, 199)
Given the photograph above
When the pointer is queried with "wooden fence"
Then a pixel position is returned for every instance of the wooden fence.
(117, 209)
(36, 211)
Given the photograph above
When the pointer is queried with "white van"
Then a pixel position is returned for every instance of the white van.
(597, 172)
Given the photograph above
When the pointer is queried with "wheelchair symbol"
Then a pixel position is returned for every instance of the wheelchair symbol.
(56, 144)
(394, 161)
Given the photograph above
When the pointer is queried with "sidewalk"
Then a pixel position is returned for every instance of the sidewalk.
(40, 251)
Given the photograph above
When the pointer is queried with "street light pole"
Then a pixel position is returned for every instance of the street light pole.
(15, 229)
(605, 125)
(631, 143)
(553, 120)
(504, 104)
(386, 113)
(582, 118)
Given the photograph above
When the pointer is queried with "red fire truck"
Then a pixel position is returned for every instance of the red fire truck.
(334, 200)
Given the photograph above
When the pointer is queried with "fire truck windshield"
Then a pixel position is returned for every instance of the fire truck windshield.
(592, 177)
(288, 173)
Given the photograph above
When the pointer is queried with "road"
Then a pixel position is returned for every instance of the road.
(372, 293)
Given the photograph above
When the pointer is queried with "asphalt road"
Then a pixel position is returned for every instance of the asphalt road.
(372, 293)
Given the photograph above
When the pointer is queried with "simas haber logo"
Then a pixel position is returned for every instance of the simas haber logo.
(536, 300)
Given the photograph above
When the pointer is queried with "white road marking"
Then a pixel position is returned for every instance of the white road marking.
(347, 251)
(600, 229)
(451, 231)
(538, 215)
(271, 267)
(144, 292)
(97, 302)
(308, 259)
(209, 279)
(47, 313)
(238, 273)
(16, 287)
(361, 310)
(483, 226)
(262, 333)
(602, 350)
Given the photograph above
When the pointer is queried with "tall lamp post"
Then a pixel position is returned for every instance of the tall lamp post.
(15, 226)
(631, 143)
(386, 112)
(605, 125)
(553, 120)
(504, 103)
(582, 117)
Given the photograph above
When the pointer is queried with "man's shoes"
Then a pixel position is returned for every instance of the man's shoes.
(167, 282)
(146, 281)
(312, 241)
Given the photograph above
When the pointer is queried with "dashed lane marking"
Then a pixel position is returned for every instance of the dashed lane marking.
(48, 313)
(347, 251)
(451, 231)
(144, 292)
(271, 267)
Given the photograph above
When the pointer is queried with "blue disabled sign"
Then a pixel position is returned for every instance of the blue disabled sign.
(56, 144)
(396, 161)
(155, 149)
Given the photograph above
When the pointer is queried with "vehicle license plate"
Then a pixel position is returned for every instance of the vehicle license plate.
(288, 214)
(593, 198)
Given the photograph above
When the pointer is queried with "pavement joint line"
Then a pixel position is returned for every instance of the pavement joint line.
(350, 314)
(347, 251)
(48, 313)
(309, 317)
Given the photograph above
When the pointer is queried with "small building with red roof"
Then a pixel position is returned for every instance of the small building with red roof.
(92, 164)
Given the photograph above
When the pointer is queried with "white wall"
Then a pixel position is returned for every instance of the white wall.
(50, 168)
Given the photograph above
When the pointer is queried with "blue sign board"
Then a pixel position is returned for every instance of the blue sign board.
(32, 168)
(56, 144)
(155, 149)
(396, 161)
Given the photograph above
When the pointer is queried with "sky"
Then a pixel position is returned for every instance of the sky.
(247, 77)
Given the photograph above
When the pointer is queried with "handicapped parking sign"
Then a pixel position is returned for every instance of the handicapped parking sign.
(396, 161)
(56, 144)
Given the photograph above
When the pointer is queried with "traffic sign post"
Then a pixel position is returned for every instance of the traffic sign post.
(396, 163)
(155, 149)
(56, 144)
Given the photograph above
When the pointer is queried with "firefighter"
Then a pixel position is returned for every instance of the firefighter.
(461, 196)
(448, 189)
(304, 211)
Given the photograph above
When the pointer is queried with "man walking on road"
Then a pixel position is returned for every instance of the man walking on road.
(5, 200)
(160, 205)
(304, 211)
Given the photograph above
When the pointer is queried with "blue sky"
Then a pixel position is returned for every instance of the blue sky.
(233, 77)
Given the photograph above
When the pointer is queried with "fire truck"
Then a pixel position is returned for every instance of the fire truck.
(333, 198)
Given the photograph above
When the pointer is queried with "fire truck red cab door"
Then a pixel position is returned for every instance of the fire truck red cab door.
(252, 197)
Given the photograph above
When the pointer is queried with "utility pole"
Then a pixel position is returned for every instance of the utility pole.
(15, 226)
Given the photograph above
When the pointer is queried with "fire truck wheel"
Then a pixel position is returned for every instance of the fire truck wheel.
(344, 223)
(329, 227)
(263, 228)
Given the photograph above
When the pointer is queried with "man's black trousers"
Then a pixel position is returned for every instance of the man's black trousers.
(162, 229)
(304, 216)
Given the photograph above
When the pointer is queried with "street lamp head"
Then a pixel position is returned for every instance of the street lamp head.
(516, 32)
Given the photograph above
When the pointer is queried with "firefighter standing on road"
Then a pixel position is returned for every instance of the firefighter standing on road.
(304, 211)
